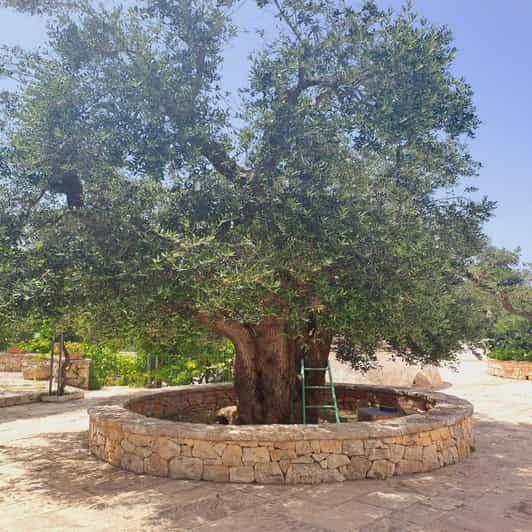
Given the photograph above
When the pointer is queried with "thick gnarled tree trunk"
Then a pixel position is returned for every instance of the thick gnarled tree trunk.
(266, 373)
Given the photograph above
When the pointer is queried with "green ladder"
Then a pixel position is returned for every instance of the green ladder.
(328, 386)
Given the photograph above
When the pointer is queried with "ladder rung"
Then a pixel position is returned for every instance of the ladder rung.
(315, 369)
(317, 387)
(320, 406)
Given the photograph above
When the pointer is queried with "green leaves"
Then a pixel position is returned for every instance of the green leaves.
(132, 200)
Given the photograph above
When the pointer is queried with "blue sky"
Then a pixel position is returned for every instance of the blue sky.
(494, 44)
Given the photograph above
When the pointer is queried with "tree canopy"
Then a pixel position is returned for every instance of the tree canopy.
(334, 201)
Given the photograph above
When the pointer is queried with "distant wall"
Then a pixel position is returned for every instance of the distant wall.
(77, 373)
(510, 369)
(14, 362)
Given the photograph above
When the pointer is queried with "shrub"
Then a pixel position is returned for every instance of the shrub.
(94, 382)
(513, 342)
(511, 353)
(213, 363)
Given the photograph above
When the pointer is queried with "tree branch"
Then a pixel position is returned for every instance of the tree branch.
(283, 15)
(508, 306)
(215, 152)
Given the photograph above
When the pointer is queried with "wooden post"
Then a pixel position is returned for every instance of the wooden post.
(60, 366)
(51, 376)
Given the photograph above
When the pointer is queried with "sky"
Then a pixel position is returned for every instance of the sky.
(494, 43)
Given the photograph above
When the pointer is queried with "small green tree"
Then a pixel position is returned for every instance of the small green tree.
(335, 209)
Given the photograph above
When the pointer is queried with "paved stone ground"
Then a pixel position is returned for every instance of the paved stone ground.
(49, 481)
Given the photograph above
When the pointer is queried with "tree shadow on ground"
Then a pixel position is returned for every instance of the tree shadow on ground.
(58, 468)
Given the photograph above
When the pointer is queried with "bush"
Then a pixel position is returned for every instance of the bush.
(513, 342)
(112, 368)
(510, 353)
(94, 382)
(214, 363)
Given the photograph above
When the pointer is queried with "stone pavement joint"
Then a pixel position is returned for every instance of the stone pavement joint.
(50, 481)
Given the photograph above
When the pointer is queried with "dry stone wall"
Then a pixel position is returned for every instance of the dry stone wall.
(126, 437)
(77, 373)
(510, 369)
(14, 362)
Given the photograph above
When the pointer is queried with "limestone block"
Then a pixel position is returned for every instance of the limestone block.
(115, 433)
(425, 440)
(282, 454)
(379, 454)
(132, 462)
(438, 435)
(337, 460)
(410, 439)
(463, 449)
(396, 452)
(139, 440)
(414, 453)
(269, 473)
(156, 465)
(303, 447)
(204, 449)
(373, 444)
(114, 452)
(357, 469)
(254, 455)
(216, 473)
(332, 475)
(167, 448)
(232, 455)
(405, 467)
(450, 455)
(304, 474)
(242, 474)
(143, 452)
(430, 458)
(331, 446)
(451, 442)
(381, 469)
(315, 445)
(186, 467)
(353, 447)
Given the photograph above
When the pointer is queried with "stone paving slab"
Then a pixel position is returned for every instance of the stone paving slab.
(50, 481)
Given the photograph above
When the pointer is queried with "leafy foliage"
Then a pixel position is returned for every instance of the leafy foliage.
(512, 339)
(129, 199)
(113, 368)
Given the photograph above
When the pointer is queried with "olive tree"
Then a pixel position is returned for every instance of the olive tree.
(331, 205)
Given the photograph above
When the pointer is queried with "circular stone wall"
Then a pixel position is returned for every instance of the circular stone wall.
(165, 434)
